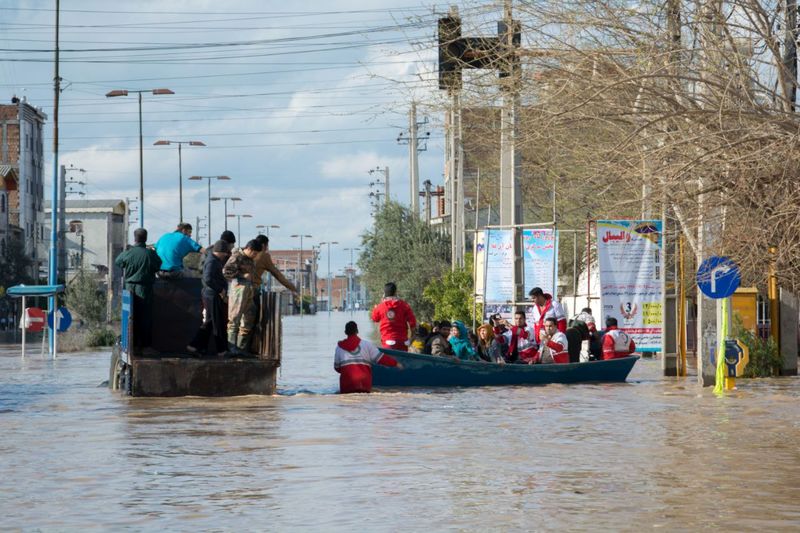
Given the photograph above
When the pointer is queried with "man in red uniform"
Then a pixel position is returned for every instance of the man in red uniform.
(545, 306)
(396, 319)
(616, 343)
(353, 360)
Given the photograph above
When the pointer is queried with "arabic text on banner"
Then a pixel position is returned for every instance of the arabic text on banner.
(541, 266)
(631, 284)
(499, 286)
(480, 264)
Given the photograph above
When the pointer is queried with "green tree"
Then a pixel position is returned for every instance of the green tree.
(452, 295)
(403, 249)
(85, 296)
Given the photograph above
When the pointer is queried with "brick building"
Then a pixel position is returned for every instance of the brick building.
(22, 166)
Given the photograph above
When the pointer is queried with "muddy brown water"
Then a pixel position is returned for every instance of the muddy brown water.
(653, 453)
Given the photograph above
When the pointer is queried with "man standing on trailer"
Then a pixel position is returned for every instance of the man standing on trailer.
(139, 265)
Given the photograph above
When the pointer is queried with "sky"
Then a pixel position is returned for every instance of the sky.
(296, 102)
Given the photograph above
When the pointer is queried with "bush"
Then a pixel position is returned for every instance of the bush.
(101, 337)
(452, 295)
(765, 356)
(85, 296)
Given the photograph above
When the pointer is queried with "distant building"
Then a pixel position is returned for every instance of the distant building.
(8, 185)
(21, 149)
(95, 234)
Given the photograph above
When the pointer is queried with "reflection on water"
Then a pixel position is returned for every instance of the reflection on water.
(653, 452)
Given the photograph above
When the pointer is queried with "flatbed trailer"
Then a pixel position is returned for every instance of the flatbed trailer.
(173, 370)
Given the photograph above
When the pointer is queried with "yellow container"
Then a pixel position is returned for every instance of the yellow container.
(745, 304)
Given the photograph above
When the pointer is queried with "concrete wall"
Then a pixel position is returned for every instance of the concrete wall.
(790, 313)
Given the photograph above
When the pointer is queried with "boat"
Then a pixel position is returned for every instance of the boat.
(422, 370)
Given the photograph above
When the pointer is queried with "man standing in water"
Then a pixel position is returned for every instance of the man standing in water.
(353, 360)
(396, 319)
(140, 265)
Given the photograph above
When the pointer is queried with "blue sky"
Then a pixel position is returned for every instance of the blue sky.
(296, 103)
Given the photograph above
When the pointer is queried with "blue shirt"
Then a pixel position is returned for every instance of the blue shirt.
(173, 247)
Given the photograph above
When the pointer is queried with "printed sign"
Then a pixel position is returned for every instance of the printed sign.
(540, 259)
(631, 278)
(64, 319)
(499, 286)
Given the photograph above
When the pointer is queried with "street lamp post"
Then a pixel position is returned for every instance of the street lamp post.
(351, 278)
(209, 178)
(262, 227)
(299, 265)
(180, 169)
(239, 223)
(330, 296)
(225, 199)
(125, 92)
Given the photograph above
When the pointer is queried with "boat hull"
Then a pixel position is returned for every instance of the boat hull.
(420, 370)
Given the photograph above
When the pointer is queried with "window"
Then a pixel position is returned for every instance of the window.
(2, 203)
(75, 226)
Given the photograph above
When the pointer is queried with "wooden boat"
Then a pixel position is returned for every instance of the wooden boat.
(420, 370)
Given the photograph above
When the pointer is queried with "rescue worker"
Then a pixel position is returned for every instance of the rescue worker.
(554, 345)
(239, 270)
(353, 361)
(521, 341)
(139, 265)
(616, 343)
(173, 247)
(396, 319)
(213, 294)
(544, 306)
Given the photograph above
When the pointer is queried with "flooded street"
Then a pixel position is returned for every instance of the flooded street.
(650, 453)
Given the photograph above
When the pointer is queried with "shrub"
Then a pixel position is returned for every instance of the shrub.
(765, 356)
(101, 337)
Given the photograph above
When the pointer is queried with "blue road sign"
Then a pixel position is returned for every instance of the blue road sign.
(126, 315)
(718, 277)
(64, 319)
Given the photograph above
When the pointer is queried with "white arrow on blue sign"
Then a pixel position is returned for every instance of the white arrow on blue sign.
(64, 319)
(718, 277)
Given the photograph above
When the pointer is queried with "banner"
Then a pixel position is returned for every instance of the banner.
(480, 265)
(499, 286)
(631, 278)
(540, 259)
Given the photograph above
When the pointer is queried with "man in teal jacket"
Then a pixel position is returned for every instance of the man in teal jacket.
(140, 265)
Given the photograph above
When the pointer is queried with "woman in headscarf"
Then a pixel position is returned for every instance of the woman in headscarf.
(459, 340)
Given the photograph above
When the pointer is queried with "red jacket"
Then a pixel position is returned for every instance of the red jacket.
(396, 318)
(617, 343)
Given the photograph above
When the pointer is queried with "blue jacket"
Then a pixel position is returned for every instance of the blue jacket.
(173, 247)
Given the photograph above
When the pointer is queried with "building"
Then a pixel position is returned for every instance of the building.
(300, 269)
(338, 296)
(8, 185)
(94, 235)
(22, 149)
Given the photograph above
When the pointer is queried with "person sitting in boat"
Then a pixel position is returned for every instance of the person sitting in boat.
(616, 343)
(521, 341)
(173, 247)
(396, 319)
(418, 339)
(438, 344)
(491, 347)
(545, 306)
(590, 339)
(553, 342)
(353, 361)
(459, 341)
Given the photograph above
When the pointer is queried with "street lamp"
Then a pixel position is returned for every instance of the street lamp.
(233, 199)
(125, 92)
(261, 227)
(351, 278)
(299, 264)
(209, 178)
(180, 169)
(238, 222)
(330, 296)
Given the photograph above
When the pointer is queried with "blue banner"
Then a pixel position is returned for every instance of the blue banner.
(540, 259)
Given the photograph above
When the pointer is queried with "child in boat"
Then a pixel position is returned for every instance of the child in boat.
(353, 360)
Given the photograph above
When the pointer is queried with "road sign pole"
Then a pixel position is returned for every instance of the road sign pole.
(23, 325)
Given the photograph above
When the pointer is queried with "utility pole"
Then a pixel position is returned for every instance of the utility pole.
(52, 278)
(790, 51)
(510, 197)
(385, 172)
(414, 147)
(330, 296)
(427, 194)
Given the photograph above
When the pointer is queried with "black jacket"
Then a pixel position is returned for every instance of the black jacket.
(213, 280)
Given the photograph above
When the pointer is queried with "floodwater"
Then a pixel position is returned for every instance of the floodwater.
(651, 453)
